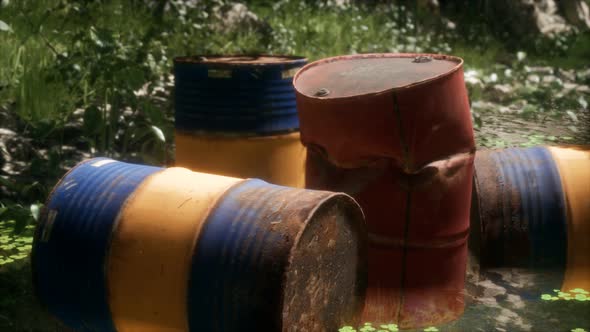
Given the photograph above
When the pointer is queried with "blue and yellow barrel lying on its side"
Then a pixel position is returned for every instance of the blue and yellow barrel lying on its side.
(123, 247)
(531, 209)
(240, 112)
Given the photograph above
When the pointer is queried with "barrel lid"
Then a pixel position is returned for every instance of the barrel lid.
(348, 76)
(240, 60)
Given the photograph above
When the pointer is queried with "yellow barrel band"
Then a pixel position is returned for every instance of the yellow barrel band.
(152, 247)
(277, 159)
(574, 169)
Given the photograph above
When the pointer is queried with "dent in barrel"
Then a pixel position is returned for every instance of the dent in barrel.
(394, 131)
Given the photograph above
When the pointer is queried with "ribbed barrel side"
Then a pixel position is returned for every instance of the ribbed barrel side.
(521, 208)
(225, 97)
(72, 240)
(250, 271)
(235, 245)
(152, 247)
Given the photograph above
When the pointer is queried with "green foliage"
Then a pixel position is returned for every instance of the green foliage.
(317, 30)
(16, 232)
(4, 27)
(92, 56)
(368, 327)
(577, 294)
(346, 329)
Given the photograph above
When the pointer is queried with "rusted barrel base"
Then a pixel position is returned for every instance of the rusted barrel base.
(326, 279)
(410, 296)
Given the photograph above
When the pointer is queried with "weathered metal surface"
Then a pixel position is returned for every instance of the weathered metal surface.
(520, 209)
(126, 247)
(273, 258)
(72, 238)
(152, 247)
(394, 131)
(247, 95)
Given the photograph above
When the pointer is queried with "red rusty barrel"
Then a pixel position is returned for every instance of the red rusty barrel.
(394, 131)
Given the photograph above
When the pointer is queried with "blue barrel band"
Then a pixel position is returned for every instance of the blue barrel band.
(531, 177)
(271, 109)
(239, 260)
(249, 98)
(278, 85)
(244, 97)
(244, 126)
(69, 259)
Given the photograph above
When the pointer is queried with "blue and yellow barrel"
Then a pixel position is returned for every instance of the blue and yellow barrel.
(240, 112)
(124, 247)
(530, 209)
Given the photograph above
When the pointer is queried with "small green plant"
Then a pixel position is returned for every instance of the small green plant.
(16, 240)
(577, 294)
(390, 327)
(346, 329)
(538, 139)
(368, 327)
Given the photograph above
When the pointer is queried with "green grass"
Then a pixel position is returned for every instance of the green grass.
(576, 56)
(318, 31)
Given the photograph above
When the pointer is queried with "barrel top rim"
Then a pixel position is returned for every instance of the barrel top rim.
(236, 60)
(303, 71)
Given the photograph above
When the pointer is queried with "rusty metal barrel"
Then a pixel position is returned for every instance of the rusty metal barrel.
(531, 210)
(394, 131)
(124, 247)
(240, 112)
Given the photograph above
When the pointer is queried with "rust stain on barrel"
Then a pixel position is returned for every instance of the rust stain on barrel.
(394, 130)
(490, 188)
